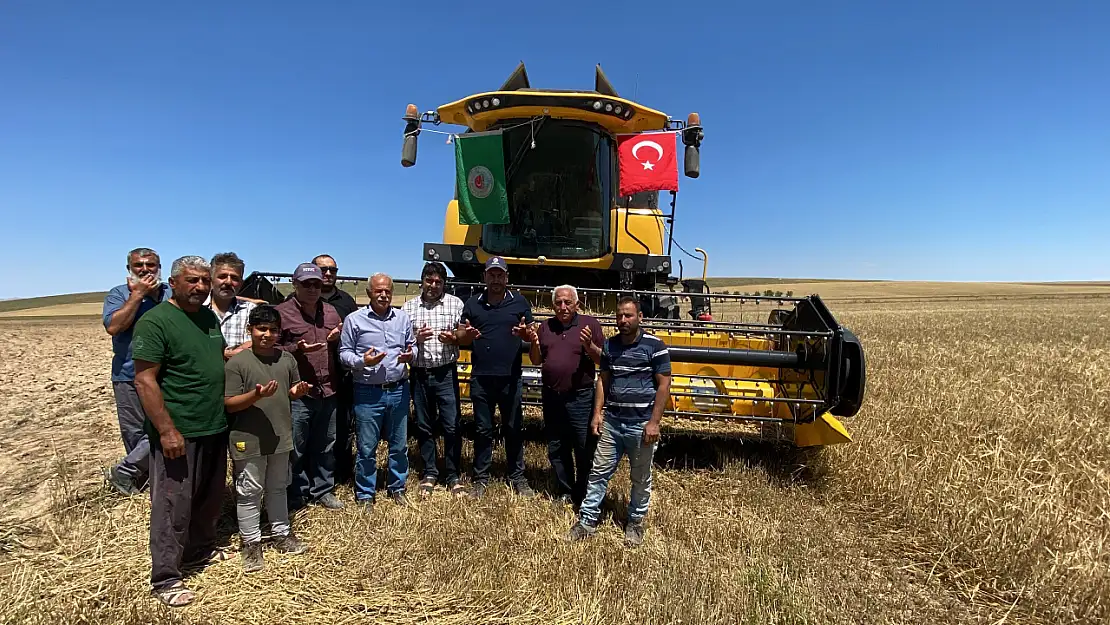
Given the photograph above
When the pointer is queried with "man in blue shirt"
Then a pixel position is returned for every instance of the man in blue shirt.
(122, 308)
(376, 344)
(634, 386)
(494, 323)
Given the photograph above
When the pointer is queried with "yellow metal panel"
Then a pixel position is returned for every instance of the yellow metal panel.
(455, 233)
(643, 119)
(825, 430)
(644, 232)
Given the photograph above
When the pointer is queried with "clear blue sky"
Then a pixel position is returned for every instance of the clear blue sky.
(947, 141)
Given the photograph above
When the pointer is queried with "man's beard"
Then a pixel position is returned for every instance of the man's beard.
(133, 277)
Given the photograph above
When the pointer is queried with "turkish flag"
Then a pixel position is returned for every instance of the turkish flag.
(648, 162)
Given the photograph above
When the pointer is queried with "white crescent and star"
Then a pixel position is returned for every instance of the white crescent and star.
(651, 144)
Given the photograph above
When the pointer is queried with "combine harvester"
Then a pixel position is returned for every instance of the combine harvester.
(559, 217)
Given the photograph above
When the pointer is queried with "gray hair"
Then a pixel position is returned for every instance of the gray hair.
(371, 279)
(189, 262)
(564, 287)
(141, 252)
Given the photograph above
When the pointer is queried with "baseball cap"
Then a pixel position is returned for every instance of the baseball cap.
(496, 262)
(307, 271)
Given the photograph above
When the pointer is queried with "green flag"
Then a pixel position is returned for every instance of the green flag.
(480, 178)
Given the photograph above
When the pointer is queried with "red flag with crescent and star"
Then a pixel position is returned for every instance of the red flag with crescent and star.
(648, 162)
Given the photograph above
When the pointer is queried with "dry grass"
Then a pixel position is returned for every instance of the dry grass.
(977, 490)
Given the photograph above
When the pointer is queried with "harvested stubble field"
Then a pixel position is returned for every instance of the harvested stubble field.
(977, 490)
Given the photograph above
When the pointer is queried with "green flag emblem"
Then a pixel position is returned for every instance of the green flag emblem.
(480, 178)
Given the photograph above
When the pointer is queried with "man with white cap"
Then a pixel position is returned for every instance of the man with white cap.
(494, 323)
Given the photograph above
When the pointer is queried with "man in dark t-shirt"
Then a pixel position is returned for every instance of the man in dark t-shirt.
(178, 350)
(568, 351)
(494, 323)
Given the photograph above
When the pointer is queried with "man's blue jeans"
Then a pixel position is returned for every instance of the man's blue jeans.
(379, 411)
(619, 438)
(313, 457)
(504, 393)
(435, 400)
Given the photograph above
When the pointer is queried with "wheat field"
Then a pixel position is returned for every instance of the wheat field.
(977, 490)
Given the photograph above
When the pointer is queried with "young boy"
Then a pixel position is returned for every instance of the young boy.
(259, 384)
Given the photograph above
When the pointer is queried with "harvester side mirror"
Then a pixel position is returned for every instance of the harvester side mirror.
(412, 130)
(692, 137)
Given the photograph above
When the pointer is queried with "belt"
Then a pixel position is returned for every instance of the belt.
(388, 386)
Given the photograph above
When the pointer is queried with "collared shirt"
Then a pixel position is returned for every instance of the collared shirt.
(497, 350)
(631, 392)
(123, 366)
(390, 333)
(440, 315)
(319, 368)
(566, 365)
(343, 302)
(233, 321)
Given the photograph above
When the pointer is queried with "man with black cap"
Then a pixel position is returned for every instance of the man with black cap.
(310, 330)
(494, 323)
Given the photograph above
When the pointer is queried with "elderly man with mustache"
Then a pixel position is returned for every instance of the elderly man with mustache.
(123, 306)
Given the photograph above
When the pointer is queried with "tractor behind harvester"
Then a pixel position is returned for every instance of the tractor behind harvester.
(785, 374)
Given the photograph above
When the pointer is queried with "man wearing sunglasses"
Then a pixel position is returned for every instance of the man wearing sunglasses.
(123, 306)
(568, 351)
(343, 301)
(310, 330)
(344, 304)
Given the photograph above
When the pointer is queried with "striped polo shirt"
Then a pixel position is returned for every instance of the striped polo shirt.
(632, 369)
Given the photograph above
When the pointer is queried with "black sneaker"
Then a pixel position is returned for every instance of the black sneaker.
(366, 506)
(290, 544)
(522, 489)
(252, 557)
(634, 533)
(400, 499)
(478, 490)
(330, 501)
(580, 531)
(457, 489)
(120, 483)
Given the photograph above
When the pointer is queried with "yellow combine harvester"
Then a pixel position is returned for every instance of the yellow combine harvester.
(784, 374)
(787, 374)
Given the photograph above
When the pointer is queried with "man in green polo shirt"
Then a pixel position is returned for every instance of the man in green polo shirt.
(179, 374)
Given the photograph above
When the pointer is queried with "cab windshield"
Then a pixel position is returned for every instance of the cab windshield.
(559, 192)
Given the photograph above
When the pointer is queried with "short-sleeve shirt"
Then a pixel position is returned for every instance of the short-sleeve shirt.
(440, 315)
(497, 350)
(566, 365)
(266, 427)
(632, 369)
(123, 366)
(233, 321)
(190, 349)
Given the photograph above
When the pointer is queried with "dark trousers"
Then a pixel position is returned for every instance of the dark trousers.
(570, 444)
(129, 411)
(502, 392)
(435, 399)
(345, 431)
(186, 494)
(313, 456)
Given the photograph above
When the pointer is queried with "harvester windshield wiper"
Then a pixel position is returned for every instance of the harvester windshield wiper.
(534, 129)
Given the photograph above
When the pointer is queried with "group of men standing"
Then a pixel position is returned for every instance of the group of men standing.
(357, 370)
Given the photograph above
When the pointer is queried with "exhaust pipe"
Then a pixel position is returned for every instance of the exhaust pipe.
(692, 137)
(412, 130)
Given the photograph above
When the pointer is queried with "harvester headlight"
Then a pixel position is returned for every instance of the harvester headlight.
(617, 109)
(597, 105)
(608, 107)
(666, 264)
(627, 264)
(468, 255)
(431, 251)
(485, 104)
(496, 102)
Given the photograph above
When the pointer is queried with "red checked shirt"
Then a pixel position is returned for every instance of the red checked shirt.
(321, 367)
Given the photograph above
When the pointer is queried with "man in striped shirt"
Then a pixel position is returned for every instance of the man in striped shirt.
(634, 386)
(435, 381)
(232, 310)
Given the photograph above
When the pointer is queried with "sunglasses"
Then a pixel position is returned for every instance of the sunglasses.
(314, 284)
(329, 269)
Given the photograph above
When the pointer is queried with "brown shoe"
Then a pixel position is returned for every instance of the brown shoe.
(290, 544)
(252, 557)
